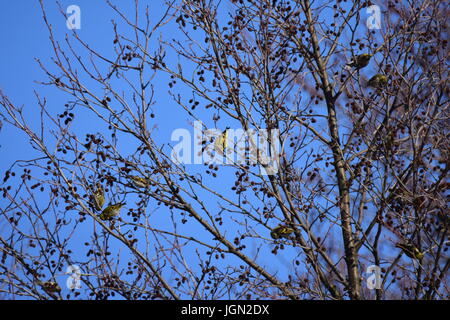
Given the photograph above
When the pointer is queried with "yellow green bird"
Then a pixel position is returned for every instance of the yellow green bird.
(281, 232)
(139, 182)
(111, 211)
(221, 142)
(410, 250)
(50, 286)
(378, 81)
(360, 61)
(99, 198)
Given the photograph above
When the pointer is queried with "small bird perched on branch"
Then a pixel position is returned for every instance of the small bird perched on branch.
(111, 211)
(50, 286)
(139, 182)
(281, 232)
(99, 198)
(378, 81)
(221, 142)
(411, 250)
(360, 61)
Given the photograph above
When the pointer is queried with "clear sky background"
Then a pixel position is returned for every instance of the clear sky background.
(24, 38)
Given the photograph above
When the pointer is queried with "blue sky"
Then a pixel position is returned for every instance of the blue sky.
(24, 37)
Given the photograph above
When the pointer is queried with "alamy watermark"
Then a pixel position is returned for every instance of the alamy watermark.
(374, 20)
(251, 147)
(73, 20)
(74, 280)
(374, 280)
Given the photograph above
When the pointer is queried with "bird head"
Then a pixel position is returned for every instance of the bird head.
(119, 205)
